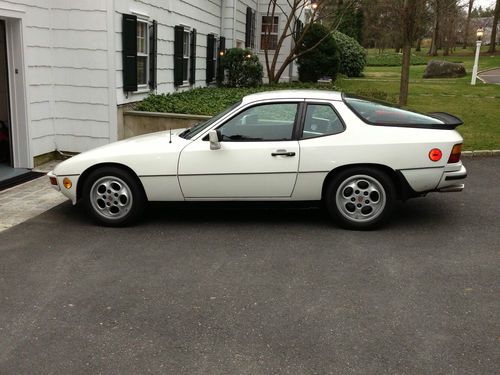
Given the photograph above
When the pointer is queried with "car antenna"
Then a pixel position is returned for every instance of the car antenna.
(170, 129)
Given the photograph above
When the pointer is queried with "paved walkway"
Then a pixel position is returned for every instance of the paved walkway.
(490, 76)
(28, 200)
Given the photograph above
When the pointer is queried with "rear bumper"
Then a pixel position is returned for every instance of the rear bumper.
(452, 178)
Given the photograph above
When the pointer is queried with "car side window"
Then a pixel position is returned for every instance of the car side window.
(265, 122)
(321, 119)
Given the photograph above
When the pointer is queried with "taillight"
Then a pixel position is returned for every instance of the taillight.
(455, 153)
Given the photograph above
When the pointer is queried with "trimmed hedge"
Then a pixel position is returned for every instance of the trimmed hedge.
(352, 56)
(211, 100)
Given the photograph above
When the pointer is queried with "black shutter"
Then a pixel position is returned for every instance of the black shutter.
(210, 57)
(299, 27)
(222, 51)
(129, 44)
(248, 29)
(252, 38)
(178, 55)
(153, 48)
(192, 66)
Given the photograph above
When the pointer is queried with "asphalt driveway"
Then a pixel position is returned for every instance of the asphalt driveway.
(251, 291)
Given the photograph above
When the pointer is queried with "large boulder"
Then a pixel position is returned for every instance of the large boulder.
(444, 69)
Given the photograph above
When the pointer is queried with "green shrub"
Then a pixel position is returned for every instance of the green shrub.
(375, 94)
(322, 60)
(243, 68)
(351, 55)
(211, 100)
(393, 59)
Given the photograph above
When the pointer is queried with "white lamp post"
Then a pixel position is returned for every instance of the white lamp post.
(479, 34)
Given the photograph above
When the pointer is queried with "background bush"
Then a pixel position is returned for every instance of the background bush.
(322, 60)
(243, 68)
(352, 57)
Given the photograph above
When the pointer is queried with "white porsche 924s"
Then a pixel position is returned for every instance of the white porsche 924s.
(355, 155)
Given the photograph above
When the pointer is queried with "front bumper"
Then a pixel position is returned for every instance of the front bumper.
(57, 183)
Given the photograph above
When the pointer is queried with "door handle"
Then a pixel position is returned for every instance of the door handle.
(282, 153)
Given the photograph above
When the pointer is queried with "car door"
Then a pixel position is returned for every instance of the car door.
(258, 158)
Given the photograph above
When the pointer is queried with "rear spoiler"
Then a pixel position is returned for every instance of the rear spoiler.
(449, 120)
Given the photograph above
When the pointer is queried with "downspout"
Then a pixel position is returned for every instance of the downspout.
(234, 23)
(222, 6)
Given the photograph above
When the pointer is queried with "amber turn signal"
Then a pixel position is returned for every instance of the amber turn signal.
(435, 154)
(67, 183)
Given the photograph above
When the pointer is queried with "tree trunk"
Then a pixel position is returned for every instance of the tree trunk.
(435, 31)
(493, 38)
(409, 13)
(419, 45)
(467, 24)
(405, 75)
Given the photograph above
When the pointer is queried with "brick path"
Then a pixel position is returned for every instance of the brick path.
(22, 202)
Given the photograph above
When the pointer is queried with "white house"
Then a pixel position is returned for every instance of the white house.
(66, 66)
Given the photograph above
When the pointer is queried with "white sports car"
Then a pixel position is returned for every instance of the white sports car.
(355, 155)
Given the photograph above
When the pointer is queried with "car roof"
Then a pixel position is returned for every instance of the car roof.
(293, 94)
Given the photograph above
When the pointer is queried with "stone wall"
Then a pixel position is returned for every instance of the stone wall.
(133, 123)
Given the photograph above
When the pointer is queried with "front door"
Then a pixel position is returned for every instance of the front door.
(258, 158)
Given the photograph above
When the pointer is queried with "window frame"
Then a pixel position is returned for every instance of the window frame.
(186, 54)
(300, 130)
(264, 34)
(215, 57)
(145, 54)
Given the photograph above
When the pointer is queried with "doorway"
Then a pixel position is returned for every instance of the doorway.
(5, 133)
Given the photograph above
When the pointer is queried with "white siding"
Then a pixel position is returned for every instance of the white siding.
(67, 73)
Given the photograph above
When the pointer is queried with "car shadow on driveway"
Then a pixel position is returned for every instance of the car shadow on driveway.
(413, 213)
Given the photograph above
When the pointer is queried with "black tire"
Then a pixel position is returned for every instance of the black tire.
(113, 197)
(360, 198)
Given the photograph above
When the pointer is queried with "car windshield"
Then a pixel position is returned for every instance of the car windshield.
(378, 113)
(199, 127)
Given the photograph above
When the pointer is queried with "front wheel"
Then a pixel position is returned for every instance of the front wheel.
(360, 198)
(113, 197)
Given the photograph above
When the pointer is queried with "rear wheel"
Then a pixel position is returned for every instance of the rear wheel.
(113, 197)
(360, 198)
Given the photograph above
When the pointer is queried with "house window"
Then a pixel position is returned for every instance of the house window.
(250, 28)
(139, 53)
(269, 33)
(215, 50)
(142, 53)
(184, 55)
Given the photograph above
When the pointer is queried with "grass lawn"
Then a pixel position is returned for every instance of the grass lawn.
(478, 106)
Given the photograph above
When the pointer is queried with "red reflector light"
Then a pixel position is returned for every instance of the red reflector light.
(455, 153)
(53, 180)
(435, 154)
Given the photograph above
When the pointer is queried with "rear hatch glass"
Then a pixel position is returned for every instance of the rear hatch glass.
(385, 114)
